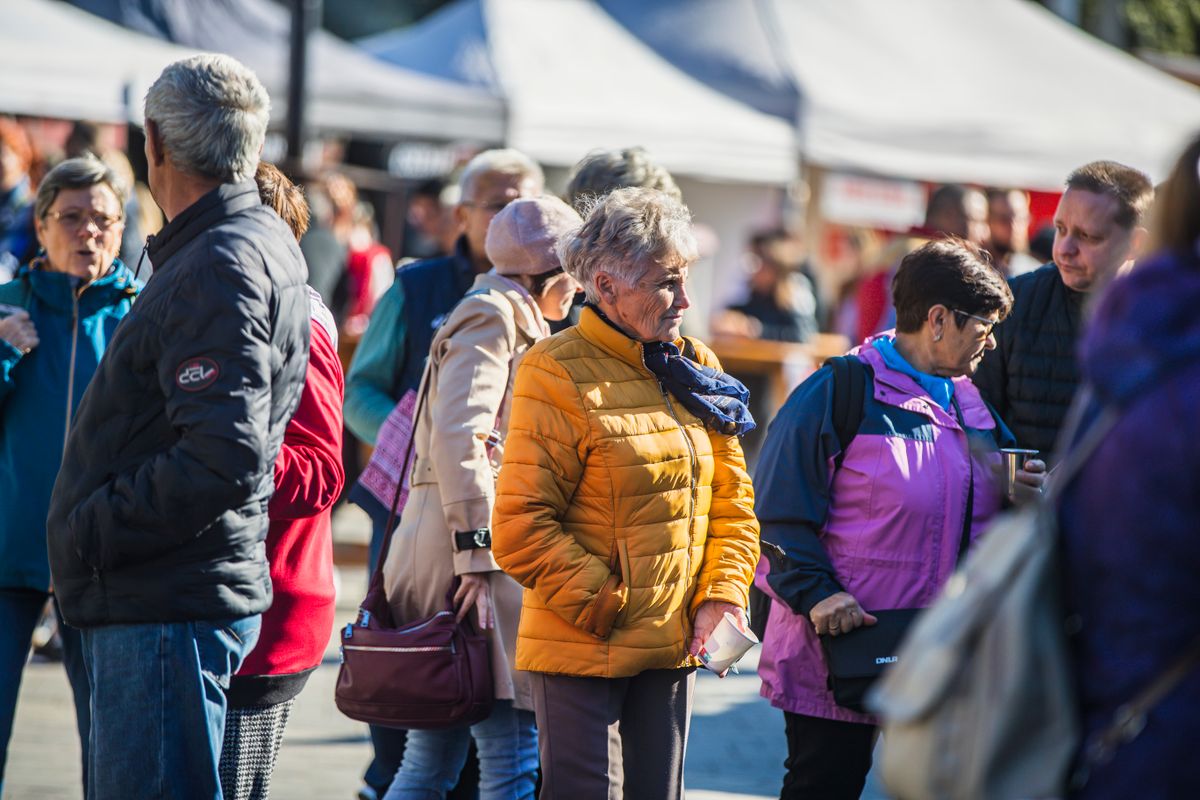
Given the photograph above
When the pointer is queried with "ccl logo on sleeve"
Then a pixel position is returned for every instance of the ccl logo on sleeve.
(196, 374)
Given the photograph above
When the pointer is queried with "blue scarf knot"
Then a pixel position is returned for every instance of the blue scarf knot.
(719, 400)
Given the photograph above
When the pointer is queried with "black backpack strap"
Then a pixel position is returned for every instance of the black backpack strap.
(849, 400)
(964, 540)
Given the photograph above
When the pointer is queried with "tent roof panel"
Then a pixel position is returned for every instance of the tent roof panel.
(575, 80)
(989, 91)
(348, 90)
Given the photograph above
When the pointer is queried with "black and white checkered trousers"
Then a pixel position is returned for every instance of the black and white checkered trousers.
(252, 739)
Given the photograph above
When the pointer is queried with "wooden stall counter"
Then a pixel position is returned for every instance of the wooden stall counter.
(771, 370)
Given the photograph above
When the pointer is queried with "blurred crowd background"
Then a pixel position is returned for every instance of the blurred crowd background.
(813, 141)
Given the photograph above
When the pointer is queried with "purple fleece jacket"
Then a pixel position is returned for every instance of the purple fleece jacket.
(1131, 525)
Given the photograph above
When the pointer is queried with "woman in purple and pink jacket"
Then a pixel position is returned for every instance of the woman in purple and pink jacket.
(878, 526)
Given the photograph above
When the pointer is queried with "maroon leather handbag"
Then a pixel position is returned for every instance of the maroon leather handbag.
(426, 674)
(432, 673)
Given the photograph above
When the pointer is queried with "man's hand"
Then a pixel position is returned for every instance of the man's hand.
(475, 590)
(838, 614)
(708, 616)
(18, 330)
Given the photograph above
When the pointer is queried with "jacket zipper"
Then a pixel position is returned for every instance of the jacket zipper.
(695, 482)
(71, 369)
(443, 648)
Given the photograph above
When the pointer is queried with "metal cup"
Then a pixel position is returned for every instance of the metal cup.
(1014, 458)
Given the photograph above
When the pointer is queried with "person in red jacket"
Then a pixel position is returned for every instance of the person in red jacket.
(308, 479)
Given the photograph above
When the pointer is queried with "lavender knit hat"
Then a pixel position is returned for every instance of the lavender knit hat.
(523, 237)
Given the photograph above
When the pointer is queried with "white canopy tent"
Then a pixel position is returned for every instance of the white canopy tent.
(574, 80)
(985, 91)
(58, 61)
(348, 91)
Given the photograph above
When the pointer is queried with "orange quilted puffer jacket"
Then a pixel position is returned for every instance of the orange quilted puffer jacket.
(616, 509)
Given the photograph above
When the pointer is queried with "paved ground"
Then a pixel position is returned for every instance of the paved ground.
(736, 750)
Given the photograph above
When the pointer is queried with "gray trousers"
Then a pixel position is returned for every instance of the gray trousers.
(613, 738)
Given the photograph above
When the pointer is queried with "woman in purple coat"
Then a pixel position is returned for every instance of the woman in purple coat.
(1131, 519)
(879, 522)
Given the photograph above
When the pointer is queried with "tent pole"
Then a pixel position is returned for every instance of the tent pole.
(306, 17)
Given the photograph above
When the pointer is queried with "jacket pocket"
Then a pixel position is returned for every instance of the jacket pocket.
(625, 570)
(598, 619)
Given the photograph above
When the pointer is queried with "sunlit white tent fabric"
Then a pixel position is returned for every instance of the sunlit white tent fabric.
(349, 92)
(988, 91)
(573, 79)
(58, 61)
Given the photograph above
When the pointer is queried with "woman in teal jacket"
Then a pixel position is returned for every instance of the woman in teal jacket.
(56, 318)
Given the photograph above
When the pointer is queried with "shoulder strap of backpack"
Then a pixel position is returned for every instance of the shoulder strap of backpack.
(849, 397)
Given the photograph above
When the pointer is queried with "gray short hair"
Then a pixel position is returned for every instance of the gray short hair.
(507, 161)
(79, 173)
(602, 171)
(212, 113)
(624, 232)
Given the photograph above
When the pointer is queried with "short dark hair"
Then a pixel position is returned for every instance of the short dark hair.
(952, 272)
(538, 283)
(431, 188)
(944, 198)
(1132, 190)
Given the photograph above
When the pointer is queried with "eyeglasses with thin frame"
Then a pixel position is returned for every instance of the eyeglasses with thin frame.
(988, 324)
(74, 219)
(494, 206)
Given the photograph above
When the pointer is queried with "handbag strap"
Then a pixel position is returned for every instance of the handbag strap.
(1129, 719)
(389, 528)
(1078, 452)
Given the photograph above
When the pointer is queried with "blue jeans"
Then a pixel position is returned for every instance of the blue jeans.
(158, 705)
(508, 758)
(387, 744)
(20, 610)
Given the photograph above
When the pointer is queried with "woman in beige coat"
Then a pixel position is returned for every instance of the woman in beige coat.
(445, 529)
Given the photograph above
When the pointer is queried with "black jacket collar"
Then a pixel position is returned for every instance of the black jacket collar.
(223, 201)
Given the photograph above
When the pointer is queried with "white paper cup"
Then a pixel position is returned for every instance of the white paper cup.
(726, 645)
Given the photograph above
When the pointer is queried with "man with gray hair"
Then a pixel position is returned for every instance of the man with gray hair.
(382, 383)
(159, 515)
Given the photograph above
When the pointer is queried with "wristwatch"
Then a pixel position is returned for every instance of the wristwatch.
(473, 540)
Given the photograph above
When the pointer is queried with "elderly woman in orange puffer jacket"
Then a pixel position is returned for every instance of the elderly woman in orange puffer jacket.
(623, 507)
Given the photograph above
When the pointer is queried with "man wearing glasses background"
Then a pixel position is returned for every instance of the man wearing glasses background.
(1032, 374)
(389, 360)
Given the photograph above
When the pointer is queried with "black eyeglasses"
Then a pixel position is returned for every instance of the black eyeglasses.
(74, 220)
(988, 324)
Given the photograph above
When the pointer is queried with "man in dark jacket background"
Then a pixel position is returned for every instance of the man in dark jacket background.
(159, 515)
(1032, 374)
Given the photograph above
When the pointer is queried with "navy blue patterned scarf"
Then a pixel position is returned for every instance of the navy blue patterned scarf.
(719, 400)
